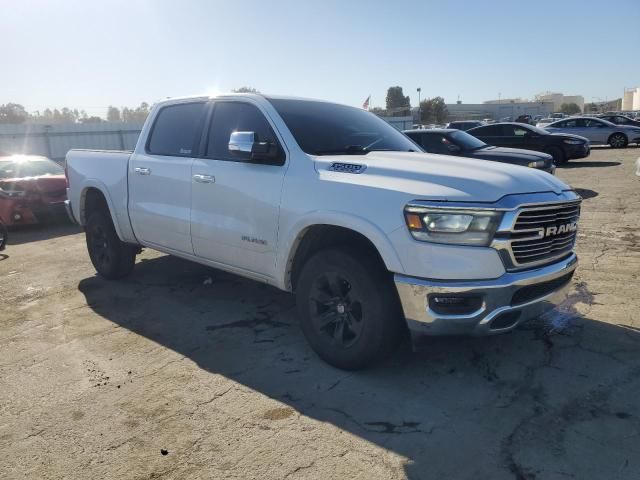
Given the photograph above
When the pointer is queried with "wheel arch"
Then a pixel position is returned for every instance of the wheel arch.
(96, 197)
(315, 236)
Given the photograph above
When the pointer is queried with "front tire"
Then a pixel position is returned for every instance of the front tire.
(618, 140)
(559, 158)
(349, 312)
(112, 258)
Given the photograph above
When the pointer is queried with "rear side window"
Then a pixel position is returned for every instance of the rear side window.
(231, 117)
(487, 131)
(176, 131)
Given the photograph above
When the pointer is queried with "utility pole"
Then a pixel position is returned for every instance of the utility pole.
(419, 106)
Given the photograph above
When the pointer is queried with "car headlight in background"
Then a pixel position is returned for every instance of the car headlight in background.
(454, 227)
(537, 164)
(569, 141)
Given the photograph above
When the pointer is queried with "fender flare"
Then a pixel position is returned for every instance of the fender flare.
(102, 188)
(291, 239)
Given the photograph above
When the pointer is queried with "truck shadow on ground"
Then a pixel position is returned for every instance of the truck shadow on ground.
(555, 399)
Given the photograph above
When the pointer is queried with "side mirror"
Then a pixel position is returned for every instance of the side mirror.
(245, 145)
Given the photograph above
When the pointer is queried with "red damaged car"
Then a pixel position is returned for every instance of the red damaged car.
(32, 189)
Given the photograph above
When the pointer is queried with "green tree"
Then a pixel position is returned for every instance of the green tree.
(570, 108)
(13, 113)
(397, 103)
(433, 110)
(113, 114)
(245, 90)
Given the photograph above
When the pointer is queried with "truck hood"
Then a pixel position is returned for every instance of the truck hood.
(426, 176)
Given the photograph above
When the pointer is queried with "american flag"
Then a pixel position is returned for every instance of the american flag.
(365, 105)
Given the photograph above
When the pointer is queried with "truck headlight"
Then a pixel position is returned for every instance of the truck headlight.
(455, 227)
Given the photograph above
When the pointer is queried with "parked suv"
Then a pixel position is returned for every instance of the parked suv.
(333, 204)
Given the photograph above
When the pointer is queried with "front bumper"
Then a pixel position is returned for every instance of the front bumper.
(502, 303)
(578, 151)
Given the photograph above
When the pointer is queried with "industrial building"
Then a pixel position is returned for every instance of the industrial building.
(558, 99)
(631, 99)
(498, 110)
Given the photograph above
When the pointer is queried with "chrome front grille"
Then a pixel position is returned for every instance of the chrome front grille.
(543, 233)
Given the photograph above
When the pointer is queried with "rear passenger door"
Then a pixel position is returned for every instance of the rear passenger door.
(235, 203)
(514, 136)
(160, 178)
(490, 134)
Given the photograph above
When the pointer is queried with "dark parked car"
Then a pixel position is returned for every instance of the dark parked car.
(455, 142)
(464, 125)
(561, 146)
(620, 120)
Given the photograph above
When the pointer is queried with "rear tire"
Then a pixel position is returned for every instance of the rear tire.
(349, 311)
(618, 140)
(559, 158)
(112, 258)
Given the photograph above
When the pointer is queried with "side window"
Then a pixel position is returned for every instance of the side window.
(570, 124)
(435, 143)
(231, 117)
(560, 125)
(619, 120)
(176, 130)
(489, 131)
(520, 132)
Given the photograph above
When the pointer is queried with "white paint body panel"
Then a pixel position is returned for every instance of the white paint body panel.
(211, 222)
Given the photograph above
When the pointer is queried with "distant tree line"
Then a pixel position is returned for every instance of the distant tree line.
(432, 110)
(14, 113)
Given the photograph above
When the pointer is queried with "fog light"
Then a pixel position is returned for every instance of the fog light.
(455, 304)
(17, 217)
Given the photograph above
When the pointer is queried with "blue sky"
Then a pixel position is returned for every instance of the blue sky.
(90, 54)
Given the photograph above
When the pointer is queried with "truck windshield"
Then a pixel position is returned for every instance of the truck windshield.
(322, 128)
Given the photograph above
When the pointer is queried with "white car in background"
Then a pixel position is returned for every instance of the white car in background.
(597, 130)
(542, 123)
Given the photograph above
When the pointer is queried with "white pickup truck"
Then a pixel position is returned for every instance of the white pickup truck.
(333, 204)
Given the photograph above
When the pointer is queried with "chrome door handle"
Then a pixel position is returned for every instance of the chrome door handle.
(198, 177)
(142, 171)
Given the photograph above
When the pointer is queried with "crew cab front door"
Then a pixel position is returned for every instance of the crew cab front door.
(160, 178)
(235, 203)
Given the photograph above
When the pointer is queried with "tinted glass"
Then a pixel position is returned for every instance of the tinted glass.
(435, 142)
(487, 131)
(592, 123)
(231, 117)
(176, 130)
(466, 141)
(29, 168)
(322, 128)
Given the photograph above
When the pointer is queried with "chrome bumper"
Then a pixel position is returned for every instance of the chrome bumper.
(503, 302)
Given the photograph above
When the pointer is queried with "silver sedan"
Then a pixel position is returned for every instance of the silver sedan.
(597, 130)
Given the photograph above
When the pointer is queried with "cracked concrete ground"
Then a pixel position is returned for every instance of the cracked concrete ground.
(167, 375)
